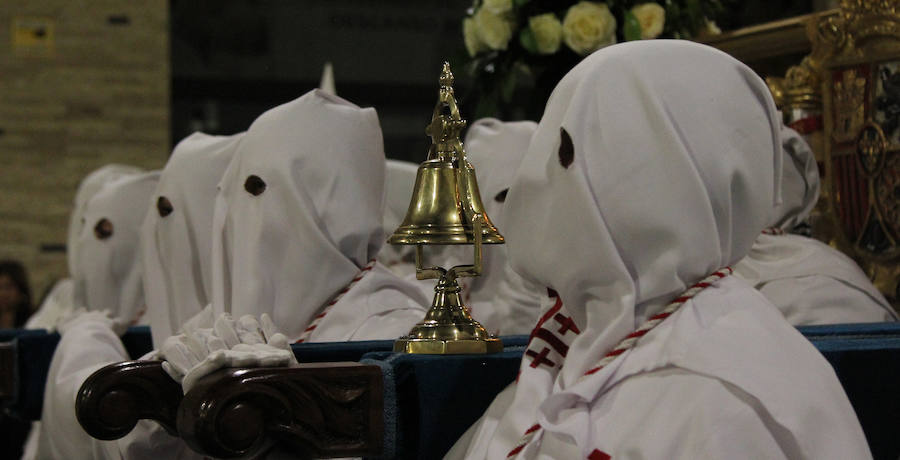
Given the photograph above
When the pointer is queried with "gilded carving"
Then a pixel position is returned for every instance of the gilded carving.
(861, 69)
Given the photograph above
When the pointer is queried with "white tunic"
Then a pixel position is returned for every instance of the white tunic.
(812, 283)
(657, 163)
(107, 277)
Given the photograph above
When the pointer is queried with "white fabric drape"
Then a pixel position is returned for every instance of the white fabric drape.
(108, 270)
(176, 233)
(655, 164)
(60, 301)
(89, 186)
(810, 282)
(400, 177)
(299, 214)
(107, 277)
(500, 299)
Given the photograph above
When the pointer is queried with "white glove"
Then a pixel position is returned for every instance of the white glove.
(81, 316)
(243, 343)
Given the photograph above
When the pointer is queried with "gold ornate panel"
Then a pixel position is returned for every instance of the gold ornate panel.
(860, 51)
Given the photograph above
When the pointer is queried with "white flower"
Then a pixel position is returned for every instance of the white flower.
(711, 28)
(472, 38)
(547, 31)
(497, 6)
(495, 30)
(589, 26)
(652, 19)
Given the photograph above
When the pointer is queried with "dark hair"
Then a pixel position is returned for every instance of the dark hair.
(16, 273)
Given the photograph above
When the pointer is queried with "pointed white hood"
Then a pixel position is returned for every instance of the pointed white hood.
(299, 212)
(500, 299)
(108, 269)
(176, 234)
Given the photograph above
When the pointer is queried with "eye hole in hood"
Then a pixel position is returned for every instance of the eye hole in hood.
(164, 206)
(254, 185)
(103, 229)
(566, 149)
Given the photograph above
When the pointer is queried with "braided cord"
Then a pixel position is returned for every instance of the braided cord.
(630, 340)
(315, 322)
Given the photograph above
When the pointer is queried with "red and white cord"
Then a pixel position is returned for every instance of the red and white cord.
(630, 340)
(773, 231)
(315, 322)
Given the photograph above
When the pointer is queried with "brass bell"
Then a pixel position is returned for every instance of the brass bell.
(446, 209)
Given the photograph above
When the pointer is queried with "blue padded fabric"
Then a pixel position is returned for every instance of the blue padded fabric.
(323, 352)
(868, 330)
(7, 335)
(869, 371)
(439, 396)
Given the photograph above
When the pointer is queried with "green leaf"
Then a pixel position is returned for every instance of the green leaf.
(526, 38)
(520, 3)
(632, 27)
(487, 106)
(508, 85)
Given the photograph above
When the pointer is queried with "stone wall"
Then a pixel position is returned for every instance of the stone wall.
(82, 84)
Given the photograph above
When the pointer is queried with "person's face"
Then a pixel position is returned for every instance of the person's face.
(9, 293)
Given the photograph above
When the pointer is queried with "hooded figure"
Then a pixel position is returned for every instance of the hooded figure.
(59, 302)
(400, 177)
(810, 282)
(175, 239)
(651, 171)
(501, 300)
(298, 221)
(108, 284)
(89, 186)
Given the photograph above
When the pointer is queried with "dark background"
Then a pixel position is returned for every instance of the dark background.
(234, 59)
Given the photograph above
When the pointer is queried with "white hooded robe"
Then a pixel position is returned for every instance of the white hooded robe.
(656, 164)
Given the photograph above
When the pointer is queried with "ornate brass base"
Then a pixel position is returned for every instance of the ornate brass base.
(448, 328)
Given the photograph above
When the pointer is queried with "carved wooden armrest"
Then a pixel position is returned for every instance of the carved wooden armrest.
(113, 399)
(315, 410)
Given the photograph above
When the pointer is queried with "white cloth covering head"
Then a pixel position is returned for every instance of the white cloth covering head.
(175, 237)
(400, 177)
(108, 271)
(299, 212)
(810, 282)
(799, 182)
(89, 186)
(326, 83)
(500, 299)
(648, 174)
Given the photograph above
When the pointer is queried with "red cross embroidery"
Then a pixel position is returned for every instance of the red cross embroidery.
(597, 454)
(566, 324)
(540, 358)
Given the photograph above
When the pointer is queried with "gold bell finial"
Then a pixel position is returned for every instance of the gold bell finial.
(445, 209)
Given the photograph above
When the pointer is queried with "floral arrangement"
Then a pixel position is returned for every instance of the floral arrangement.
(513, 43)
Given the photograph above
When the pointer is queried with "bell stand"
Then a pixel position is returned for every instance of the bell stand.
(448, 328)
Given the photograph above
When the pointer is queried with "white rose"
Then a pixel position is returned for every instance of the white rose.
(547, 31)
(711, 27)
(652, 19)
(472, 38)
(495, 30)
(589, 26)
(497, 6)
